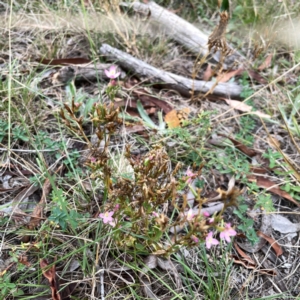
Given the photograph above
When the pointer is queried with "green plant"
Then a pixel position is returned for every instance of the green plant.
(148, 122)
(43, 141)
(133, 203)
(293, 190)
(7, 287)
(232, 161)
(247, 89)
(61, 214)
(264, 201)
(272, 156)
(82, 101)
(247, 125)
(246, 224)
(4, 126)
(290, 112)
(213, 276)
(20, 134)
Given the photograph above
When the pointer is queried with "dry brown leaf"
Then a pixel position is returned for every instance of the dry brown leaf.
(145, 97)
(238, 105)
(208, 73)
(247, 265)
(266, 63)
(243, 148)
(243, 254)
(151, 110)
(258, 170)
(227, 76)
(175, 117)
(278, 250)
(254, 75)
(135, 129)
(37, 214)
(23, 259)
(50, 274)
(164, 106)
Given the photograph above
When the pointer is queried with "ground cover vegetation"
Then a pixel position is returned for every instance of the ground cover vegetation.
(142, 162)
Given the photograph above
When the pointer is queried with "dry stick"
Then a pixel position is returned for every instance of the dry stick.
(166, 79)
(183, 32)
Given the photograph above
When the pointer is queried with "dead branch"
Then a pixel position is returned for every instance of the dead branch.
(169, 80)
(184, 32)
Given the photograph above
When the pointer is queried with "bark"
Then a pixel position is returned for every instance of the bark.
(184, 32)
(169, 80)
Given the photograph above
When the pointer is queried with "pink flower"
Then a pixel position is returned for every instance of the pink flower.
(117, 206)
(93, 159)
(206, 214)
(190, 175)
(112, 72)
(211, 220)
(209, 241)
(190, 215)
(227, 233)
(195, 239)
(107, 218)
(155, 214)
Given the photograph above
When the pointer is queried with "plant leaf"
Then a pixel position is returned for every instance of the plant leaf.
(145, 116)
(224, 5)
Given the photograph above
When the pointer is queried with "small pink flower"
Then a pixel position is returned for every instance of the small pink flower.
(206, 214)
(155, 214)
(190, 175)
(227, 233)
(209, 241)
(211, 220)
(190, 215)
(93, 159)
(117, 206)
(112, 72)
(195, 239)
(107, 218)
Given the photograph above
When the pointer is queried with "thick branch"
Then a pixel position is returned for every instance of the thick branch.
(183, 32)
(166, 79)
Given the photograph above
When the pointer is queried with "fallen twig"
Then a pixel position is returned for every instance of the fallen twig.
(183, 32)
(166, 79)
